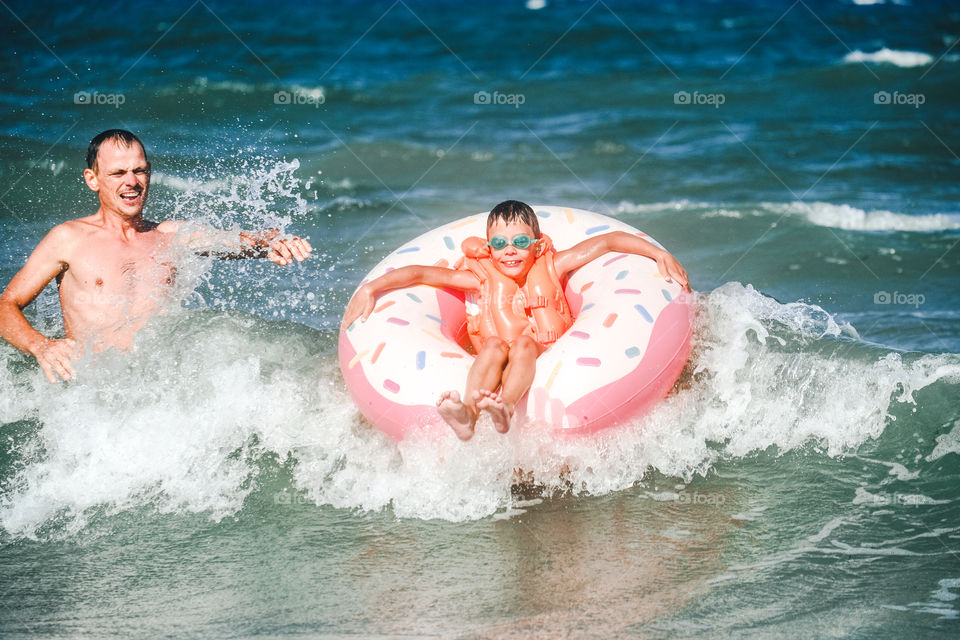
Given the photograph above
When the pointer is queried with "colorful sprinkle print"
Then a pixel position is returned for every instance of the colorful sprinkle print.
(588, 362)
(553, 375)
(357, 358)
(643, 311)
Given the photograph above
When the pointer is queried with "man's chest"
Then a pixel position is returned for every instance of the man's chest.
(118, 267)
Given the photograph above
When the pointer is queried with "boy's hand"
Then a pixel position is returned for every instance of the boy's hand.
(672, 270)
(283, 251)
(361, 306)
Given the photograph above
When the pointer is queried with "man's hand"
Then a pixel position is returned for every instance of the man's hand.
(283, 251)
(361, 306)
(672, 270)
(54, 358)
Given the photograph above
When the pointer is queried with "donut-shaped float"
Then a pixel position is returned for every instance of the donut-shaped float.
(628, 344)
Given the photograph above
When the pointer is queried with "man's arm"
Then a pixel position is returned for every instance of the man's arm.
(361, 306)
(620, 242)
(43, 265)
(234, 245)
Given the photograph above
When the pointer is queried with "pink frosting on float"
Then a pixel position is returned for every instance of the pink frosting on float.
(636, 393)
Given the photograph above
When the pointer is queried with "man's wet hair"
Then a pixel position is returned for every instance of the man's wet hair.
(121, 136)
(515, 211)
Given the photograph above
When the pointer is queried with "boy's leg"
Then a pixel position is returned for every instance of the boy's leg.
(484, 376)
(517, 378)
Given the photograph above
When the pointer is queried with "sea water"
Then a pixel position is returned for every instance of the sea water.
(800, 160)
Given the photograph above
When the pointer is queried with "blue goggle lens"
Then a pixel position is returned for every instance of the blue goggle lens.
(522, 241)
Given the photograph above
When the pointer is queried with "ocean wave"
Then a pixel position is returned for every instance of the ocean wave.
(890, 56)
(210, 402)
(203, 85)
(823, 214)
(873, 2)
(625, 206)
(843, 216)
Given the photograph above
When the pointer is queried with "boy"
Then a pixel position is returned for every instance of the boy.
(516, 279)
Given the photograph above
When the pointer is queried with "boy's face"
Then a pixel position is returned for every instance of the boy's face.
(510, 261)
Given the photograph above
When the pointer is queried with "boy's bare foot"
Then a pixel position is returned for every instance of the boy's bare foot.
(493, 404)
(458, 415)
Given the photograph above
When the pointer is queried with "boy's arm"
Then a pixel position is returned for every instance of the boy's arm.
(620, 242)
(233, 245)
(361, 306)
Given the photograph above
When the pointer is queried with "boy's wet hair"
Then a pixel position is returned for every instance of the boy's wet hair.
(121, 136)
(514, 211)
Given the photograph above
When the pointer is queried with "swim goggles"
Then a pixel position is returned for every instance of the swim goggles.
(522, 241)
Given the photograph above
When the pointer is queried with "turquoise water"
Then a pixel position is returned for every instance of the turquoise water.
(218, 481)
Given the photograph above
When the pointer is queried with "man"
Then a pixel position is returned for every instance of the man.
(113, 268)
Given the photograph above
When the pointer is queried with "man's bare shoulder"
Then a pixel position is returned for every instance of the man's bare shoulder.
(167, 226)
(70, 231)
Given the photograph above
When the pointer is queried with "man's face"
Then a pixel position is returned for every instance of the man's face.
(510, 261)
(121, 179)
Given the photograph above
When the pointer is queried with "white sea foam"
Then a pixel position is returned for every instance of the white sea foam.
(946, 443)
(625, 206)
(202, 84)
(256, 193)
(843, 216)
(890, 56)
(173, 426)
(827, 529)
(873, 2)
(190, 184)
(824, 214)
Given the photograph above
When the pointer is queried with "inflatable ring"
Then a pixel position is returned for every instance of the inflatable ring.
(628, 344)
